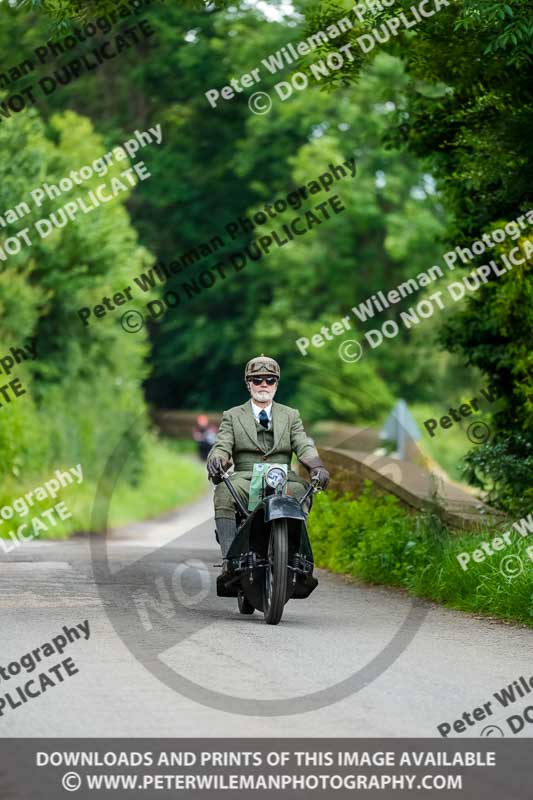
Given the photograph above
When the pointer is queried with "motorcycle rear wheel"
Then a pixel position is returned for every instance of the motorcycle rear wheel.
(275, 576)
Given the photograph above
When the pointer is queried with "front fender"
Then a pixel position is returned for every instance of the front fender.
(282, 506)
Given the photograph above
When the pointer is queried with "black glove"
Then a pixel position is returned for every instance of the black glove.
(215, 467)
(321, 475)
(317, 471)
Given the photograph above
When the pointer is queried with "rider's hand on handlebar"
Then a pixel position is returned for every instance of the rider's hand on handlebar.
(216, 467)
(321, 476)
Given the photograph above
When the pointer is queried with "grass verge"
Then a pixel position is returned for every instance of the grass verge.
(169, 478)
(374, 538)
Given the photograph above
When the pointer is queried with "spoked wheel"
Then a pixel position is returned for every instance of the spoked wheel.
(275, 580)
(245, 607)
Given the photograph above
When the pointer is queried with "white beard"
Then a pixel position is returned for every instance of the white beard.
(261, 394)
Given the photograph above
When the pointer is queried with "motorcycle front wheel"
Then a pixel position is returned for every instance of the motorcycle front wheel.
(275, 577)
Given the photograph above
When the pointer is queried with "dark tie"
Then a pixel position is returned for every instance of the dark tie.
(263, 418)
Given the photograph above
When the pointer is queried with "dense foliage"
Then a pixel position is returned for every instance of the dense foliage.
(436, 120)
(219, 164)
(374, 538)
(84, 387)
(469, 108)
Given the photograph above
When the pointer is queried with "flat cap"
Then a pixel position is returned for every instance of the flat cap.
(261, 365)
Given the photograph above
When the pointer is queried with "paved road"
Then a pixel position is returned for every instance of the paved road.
(155, 611)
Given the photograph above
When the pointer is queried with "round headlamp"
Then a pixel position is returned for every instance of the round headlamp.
(276, 478)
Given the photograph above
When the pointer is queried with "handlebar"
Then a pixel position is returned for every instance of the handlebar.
(226, 478)
(313, 489)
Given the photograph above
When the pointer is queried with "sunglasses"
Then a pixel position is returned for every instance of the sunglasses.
(268, 381)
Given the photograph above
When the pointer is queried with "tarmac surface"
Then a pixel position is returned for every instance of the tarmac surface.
(167, 657)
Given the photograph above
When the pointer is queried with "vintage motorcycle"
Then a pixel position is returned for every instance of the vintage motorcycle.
(270, 560)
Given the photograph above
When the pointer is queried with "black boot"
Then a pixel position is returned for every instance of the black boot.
(226, 531)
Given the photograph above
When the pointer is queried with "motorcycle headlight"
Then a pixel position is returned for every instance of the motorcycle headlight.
(276, 478)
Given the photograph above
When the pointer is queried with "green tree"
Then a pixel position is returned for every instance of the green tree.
(218, 164)
(469, 105)
(84, 388)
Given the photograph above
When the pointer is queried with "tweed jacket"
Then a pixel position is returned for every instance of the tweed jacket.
(237, 438)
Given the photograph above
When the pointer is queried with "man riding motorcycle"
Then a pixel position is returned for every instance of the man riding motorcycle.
(259, 430)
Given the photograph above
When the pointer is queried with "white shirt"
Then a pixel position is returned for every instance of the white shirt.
(257, 410)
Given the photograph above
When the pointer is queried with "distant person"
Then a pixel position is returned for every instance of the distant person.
(204, 434)
(258, 431)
